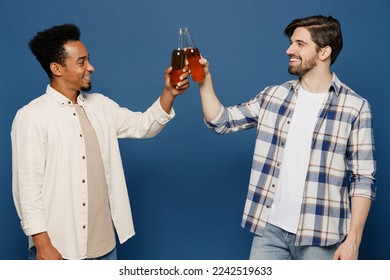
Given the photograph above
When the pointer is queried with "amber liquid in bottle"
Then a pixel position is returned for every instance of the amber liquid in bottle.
(177, 63)
(197, 70)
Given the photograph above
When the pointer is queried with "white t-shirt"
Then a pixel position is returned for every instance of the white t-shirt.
(287, 204)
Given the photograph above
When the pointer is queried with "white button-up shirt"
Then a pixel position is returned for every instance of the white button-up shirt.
(50, 168)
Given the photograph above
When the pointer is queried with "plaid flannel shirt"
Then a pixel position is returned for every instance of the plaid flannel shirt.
(342, 144)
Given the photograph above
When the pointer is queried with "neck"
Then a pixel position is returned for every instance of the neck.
(317, 81)
(68, 93)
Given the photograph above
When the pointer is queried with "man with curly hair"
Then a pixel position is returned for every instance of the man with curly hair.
(312, 133)
(68, 181)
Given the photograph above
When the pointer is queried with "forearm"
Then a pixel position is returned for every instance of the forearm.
(41, 240)
(166, 101)
(349, 249)
(360, 207)
(210, 103)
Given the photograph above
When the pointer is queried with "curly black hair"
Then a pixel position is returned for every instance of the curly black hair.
(48, 45)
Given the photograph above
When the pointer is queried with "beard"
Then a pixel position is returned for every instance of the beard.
(303, 68)
(86, 88)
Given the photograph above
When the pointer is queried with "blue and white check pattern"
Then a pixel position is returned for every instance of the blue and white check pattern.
(342, 144)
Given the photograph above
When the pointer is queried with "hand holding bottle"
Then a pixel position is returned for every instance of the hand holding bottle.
(181, 79)
(205, 64)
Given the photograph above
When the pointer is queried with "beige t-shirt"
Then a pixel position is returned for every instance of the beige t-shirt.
(101, 234)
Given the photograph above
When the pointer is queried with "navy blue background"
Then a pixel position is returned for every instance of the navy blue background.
(188, 186)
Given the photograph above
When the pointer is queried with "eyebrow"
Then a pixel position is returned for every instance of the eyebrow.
(299, 41)
(82, 58)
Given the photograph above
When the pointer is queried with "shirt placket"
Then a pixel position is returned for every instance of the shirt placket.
(83, 230)
(283, 122)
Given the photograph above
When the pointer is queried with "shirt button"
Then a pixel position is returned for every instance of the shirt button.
(282, 143)
(273, 185)
(83, 157)
(81, 135)
(74, 114)
(84, 227)
(267, 206)
(83, 204)
(83, 181)
(288, 122)
(278, 164)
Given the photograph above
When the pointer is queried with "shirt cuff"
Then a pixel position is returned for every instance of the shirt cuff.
(159, 114)
(34, 226)
(214, 122)
(363, 190)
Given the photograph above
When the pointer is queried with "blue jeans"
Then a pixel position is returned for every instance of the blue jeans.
(278, 244)
(32, 255)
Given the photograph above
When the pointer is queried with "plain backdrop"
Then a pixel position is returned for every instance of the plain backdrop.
(187, 186)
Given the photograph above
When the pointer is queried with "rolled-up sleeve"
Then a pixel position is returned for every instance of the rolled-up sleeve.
(361, 155)
(236, 118)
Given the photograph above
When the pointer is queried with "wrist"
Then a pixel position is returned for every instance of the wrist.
(167, 95)
(206, 81)
(166, 100)
(41, 240)
(354, 238)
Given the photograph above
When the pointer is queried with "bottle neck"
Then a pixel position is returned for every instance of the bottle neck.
(185, 40)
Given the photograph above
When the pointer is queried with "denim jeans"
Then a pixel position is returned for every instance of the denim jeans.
(278, 244)
(32, 254)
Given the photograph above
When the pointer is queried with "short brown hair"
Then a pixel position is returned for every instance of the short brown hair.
(324, 31)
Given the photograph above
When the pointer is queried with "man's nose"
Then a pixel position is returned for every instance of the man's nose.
(289, 50)
(90, 67)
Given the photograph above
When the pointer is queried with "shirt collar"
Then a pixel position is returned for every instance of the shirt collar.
(334, 86)
(62, 99)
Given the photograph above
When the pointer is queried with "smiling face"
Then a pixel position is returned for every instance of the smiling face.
(303, 52)
(76, 70)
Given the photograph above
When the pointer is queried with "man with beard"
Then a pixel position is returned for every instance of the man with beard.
(68, 181)
(311, 134)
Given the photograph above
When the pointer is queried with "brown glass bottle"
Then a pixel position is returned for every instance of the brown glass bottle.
(197, 70)
(177, 63)
(185, 42)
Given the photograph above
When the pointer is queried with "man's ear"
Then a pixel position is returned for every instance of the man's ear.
(325, 53)
(55, 69)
